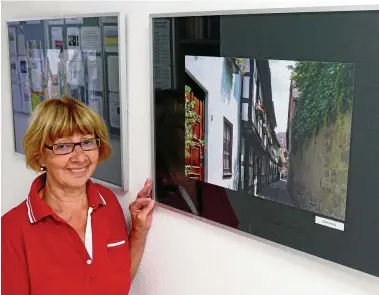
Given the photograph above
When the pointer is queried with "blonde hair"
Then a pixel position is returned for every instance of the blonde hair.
(56, 118)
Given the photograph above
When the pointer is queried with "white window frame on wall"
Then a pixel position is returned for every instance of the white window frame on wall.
(122, 75)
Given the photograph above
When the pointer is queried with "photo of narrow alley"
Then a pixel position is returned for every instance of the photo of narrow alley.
(274, 129)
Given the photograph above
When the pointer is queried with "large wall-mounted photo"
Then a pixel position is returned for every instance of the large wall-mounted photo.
(71, 57)
(265, 124)
(274, 129)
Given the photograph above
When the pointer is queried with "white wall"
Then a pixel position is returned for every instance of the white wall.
(221, 101)
(183, 256)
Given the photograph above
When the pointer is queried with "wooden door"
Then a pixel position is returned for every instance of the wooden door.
(195, 161)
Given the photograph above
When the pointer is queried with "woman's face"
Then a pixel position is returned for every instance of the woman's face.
(74, 169)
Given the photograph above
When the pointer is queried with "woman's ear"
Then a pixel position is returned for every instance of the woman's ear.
(41, 162)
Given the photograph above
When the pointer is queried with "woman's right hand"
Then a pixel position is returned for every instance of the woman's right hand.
(141, 210)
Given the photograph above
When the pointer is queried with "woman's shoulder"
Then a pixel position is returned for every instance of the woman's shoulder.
(15, 218)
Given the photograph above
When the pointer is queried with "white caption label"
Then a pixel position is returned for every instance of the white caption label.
(330, 223)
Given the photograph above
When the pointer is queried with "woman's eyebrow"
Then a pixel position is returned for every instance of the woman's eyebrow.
(88, 136)
(62, 140)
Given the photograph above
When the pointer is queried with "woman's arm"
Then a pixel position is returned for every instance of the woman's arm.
(137, 244)
(141, 211)
(14, 270)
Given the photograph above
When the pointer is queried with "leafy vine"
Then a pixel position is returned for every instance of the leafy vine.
(325, 91)
(240, 64)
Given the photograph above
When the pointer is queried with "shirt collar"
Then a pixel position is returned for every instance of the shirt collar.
(38, 209)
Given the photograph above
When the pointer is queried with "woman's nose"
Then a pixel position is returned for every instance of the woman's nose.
(78, 152)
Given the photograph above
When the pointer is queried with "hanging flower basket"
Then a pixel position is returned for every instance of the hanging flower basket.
(260, 108)
(263, 107)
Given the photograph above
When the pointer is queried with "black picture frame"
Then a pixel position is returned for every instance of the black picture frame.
(336, 36)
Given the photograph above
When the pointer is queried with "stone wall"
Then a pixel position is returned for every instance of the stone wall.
(318, 171)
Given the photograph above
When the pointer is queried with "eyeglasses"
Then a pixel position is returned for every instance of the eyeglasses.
(65, 148)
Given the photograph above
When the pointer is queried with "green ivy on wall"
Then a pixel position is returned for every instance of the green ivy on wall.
(326, 90)
(240, 63)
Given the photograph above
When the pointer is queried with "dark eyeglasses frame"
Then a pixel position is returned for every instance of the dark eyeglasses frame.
(74, 144)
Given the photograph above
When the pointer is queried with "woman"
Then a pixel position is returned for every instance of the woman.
(69, 236)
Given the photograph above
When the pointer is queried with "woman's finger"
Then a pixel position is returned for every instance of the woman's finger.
(144, 192)
(139, 203)
(150, 192)
(147, 209)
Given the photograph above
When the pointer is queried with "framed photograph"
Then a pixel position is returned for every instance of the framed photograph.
(264, 123)
(54, 58)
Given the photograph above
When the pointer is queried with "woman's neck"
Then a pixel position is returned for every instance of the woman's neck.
(62, 199)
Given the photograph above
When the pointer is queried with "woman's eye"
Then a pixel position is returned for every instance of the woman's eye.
(63, 146)
(87, 142)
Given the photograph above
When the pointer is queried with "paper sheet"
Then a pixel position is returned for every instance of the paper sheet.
(75, 73)
(53, 59)
(73, 38)
(113, 73)
(23, 70)
(53, 87)
(14, 71)
(114, 109)
(12, 41)
(17, 98)
(36, 74)
(95, 73)
(162, 54)
(26, 99)
(20, 40)
(36, 99)
(34, 48)
(56, 38)
(74, 55)
(111, 38)
(62, 78)
(90, 38)
(74, 21)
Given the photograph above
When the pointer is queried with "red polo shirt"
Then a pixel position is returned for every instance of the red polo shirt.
(43, 255)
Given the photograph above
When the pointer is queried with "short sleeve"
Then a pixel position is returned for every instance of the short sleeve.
(14, 270)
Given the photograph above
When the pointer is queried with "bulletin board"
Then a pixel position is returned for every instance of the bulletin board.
(74, 57)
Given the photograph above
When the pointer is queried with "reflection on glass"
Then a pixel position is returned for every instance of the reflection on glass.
(174, 188)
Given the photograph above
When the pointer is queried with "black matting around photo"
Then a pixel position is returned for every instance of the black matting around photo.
(350, 237)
